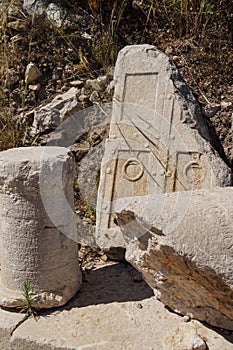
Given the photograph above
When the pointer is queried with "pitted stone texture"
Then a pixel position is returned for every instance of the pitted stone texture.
(116, 314)
(183, 245)
(8, 322)
(180, 339)
(37, 226)
(159, 141)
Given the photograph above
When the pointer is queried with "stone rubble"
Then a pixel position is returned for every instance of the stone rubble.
(54, 113)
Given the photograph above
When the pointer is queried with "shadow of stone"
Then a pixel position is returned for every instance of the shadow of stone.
(114, 283)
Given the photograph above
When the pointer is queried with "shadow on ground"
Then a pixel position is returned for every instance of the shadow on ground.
(114, 283)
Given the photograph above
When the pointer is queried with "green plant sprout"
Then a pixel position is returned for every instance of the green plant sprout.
(27, 300)
(91, 214)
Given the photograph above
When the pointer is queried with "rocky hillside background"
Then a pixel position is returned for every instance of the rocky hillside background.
(72, 41)
(57, 58)
(60, 56)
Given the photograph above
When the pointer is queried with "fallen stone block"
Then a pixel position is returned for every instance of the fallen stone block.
(38, 231)
(182, 243)
(158, 142)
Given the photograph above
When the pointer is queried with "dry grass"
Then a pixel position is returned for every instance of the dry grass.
(112, 25)
(10, 131)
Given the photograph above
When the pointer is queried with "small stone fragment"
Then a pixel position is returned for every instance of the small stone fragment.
(186, 318)
(77, 83)
(51, 115)
(83, 98)
(98, 84)
(32, 73)
(104, 257)
(34, 87)
(225, 105)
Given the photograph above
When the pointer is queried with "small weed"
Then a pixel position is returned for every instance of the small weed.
(91, 213)
(27, 300)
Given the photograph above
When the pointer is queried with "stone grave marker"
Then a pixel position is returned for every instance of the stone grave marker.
(158, 142)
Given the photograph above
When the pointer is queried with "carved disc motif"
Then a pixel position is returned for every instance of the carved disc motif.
(133, 169)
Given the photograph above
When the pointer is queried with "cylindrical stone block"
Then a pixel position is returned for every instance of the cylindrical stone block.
(38, 226)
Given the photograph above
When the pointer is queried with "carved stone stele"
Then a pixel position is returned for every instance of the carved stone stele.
(37, 226)
(159, 141)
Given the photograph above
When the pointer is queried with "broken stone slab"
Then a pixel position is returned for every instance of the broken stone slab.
(158, 142)
(140, 321)
(51, 115)
(182, 243)
(38, 232)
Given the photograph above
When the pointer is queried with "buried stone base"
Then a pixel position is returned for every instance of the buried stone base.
(183, 244)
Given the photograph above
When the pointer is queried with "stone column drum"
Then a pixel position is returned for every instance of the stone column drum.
(37, 226)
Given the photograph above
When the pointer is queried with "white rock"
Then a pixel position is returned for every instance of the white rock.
(182, 243)
(55, 13)
(32, 73)
(98, 84)
(34, 87)
(54, 113)
(33, 6)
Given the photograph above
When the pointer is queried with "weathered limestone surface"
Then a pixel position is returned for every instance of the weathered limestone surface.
(8, 321)
(158, 142)
(117, 314)
(37, 226)
(54, 113)
(183, 244)
(180, 339)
